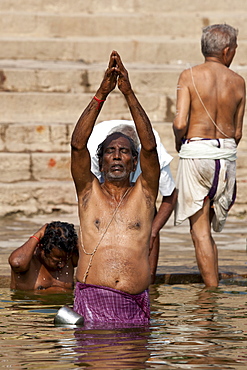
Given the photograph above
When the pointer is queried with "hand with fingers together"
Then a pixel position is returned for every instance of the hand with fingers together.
(124, 84)
(109, 81)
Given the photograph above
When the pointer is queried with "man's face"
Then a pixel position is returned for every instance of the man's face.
(118, 161)
(55, 260)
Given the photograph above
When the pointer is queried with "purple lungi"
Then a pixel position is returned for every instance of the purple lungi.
(102, 304)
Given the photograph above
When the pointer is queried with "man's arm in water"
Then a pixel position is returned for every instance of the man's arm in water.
(20, 259)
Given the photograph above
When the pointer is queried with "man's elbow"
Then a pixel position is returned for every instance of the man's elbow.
(152, 148)
(16, 265)
(76, 147)
(74, 144)
(238, 138)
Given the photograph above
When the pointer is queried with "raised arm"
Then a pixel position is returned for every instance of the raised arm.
(80, 157)
(20, 259)
(148, 155)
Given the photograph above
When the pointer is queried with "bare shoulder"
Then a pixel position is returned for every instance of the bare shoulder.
(239, 79)
(184, 76)
(237, 83)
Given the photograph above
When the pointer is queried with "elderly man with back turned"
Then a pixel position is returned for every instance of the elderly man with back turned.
(116, 218)
(208, 128)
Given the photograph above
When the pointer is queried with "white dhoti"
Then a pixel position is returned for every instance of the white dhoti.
(207, 168)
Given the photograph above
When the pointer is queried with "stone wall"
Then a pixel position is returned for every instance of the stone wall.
(52, 58)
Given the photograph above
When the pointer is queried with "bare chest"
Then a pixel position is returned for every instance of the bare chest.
(39, 277)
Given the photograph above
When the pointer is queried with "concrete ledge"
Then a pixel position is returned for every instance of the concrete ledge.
(31, 137)
(37, 197)
(14, 167)
(163, 49)
(79, 77)
(58, 108)
(51, 166)
(48, 24)
(195, 278)
(116, 6)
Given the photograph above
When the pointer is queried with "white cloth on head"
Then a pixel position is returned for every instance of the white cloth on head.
(100, 132)
(196, 175)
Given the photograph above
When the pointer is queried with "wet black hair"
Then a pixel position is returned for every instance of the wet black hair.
(101, 146)
(61, 235)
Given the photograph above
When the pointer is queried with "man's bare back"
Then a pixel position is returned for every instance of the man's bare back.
(221, 91)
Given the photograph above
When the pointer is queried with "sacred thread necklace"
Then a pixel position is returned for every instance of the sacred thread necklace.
(91, 254)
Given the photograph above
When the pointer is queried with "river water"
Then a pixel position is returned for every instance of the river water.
(190, 328)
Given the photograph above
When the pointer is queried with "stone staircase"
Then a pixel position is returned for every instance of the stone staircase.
(52, 58)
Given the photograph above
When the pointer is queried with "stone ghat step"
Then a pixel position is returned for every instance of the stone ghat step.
(50, 166)
(55, 138)
(52, 139)
(66, 108)
(115, 6)
(32, 197)
(78, 77)
(61, 108)
(175, 24)
(44, 197)
(133, 49)
(196, 278)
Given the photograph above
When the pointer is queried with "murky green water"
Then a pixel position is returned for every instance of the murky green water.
(190, 329)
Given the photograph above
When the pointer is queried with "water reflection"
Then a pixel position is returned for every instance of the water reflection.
(113, 349)
(190, 328)
(199, 332)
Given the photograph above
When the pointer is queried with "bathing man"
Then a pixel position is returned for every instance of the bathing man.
(46, 260)
(166, 182)
(208, 128)
(116, 218)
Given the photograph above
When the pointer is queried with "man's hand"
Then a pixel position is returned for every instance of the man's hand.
(41, 232)
(110, 78)
(123, 77)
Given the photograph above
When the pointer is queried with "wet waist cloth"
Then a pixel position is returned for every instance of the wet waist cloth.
(102, 304)
(207, 168)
